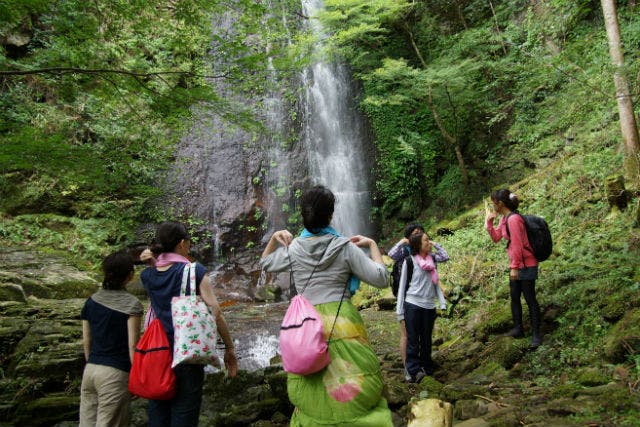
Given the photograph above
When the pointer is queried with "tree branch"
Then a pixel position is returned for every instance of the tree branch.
(70, 70)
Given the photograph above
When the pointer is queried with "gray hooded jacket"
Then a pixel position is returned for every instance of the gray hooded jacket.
(335, 259)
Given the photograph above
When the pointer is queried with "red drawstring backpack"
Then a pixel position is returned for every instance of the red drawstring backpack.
(151, 376)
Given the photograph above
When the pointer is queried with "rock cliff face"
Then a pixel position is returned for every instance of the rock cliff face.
(236, 186)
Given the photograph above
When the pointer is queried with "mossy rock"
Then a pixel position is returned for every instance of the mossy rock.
(492, 369)
(396, 392)
(458, 351)
(616, 303)
(277, 382)
(624, 338)
(612, 398)
(496, 318)
(50, 350)
(12, 292)
(508, 417)
(567, 390)
(48, 410)
(461, 390)
(432, 386)
(248, 413)
(12, 331)
(504, 351)
(469, 408)
(590, 377)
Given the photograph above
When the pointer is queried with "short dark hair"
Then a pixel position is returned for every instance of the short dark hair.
(411, 227)
(415, 243)
(505, 196)
(116, 268)
(317, 208)
(168, 235)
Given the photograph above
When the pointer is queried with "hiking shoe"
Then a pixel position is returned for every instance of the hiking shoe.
(419, 376)
(516, 332)
(536, 341)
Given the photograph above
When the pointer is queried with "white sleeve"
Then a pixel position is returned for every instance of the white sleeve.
(401, 292)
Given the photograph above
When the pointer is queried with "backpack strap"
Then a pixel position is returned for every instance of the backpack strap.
(506, 223)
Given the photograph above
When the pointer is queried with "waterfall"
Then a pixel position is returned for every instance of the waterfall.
(334, 137)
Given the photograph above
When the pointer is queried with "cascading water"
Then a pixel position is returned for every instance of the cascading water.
(240, 184)
(334, 137)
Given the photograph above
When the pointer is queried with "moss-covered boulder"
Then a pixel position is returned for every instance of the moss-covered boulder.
(461, 390)
(48, 276)
(48, 410)
(590, 377)
(51, 350)
(470, 408)
(430, 386)
(624, 337)
(493, 319)
(504, 351)
(263, 394)
(12, 331)
(12, 292)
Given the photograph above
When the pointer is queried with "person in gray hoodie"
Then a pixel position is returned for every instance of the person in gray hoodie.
(327, 268)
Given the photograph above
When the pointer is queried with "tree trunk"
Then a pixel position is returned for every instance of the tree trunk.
(451, 139)
(625, 104)
(617, 195)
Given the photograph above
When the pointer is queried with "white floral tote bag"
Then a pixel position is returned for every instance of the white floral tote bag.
(194, 327)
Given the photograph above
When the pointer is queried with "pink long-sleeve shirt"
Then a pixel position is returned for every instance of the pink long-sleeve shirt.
(519, 251)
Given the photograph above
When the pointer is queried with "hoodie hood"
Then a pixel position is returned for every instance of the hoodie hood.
(318, 251)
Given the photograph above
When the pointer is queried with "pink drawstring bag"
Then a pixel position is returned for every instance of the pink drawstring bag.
(303, 346)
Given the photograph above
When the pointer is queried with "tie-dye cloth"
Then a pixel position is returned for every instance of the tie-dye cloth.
(348, 392)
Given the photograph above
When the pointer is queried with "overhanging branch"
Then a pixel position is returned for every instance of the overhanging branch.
(72, 70)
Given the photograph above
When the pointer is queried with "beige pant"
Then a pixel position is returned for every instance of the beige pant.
(104, 397)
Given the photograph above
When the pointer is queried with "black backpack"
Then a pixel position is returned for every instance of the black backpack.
(396, 272)
(538, 234)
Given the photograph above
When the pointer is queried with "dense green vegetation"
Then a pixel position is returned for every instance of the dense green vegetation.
(527, 92)
(502, 84)
(94, 97)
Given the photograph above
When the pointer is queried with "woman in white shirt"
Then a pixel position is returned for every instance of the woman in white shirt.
(416, 303)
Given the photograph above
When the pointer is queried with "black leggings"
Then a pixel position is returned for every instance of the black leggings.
(528, 288)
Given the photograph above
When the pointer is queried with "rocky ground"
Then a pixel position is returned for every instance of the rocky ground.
(482, 376)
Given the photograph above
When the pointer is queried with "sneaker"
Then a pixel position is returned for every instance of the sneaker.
(407, 376)
(419, 376)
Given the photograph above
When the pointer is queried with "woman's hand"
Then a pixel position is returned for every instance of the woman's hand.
(362, 241)
(231, 362)
(489, 214)
(513, 274)
(147, 257)
(366, 242)
(283, 237)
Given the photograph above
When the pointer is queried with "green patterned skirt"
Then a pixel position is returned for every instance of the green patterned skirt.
(348, 392)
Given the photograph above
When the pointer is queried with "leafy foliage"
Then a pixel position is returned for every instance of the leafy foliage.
(94, 96)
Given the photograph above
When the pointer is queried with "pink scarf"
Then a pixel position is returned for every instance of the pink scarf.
(428, 264)
(167, 258)
(163, 260)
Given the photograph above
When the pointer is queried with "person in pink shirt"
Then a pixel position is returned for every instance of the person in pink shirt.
(523, 266)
